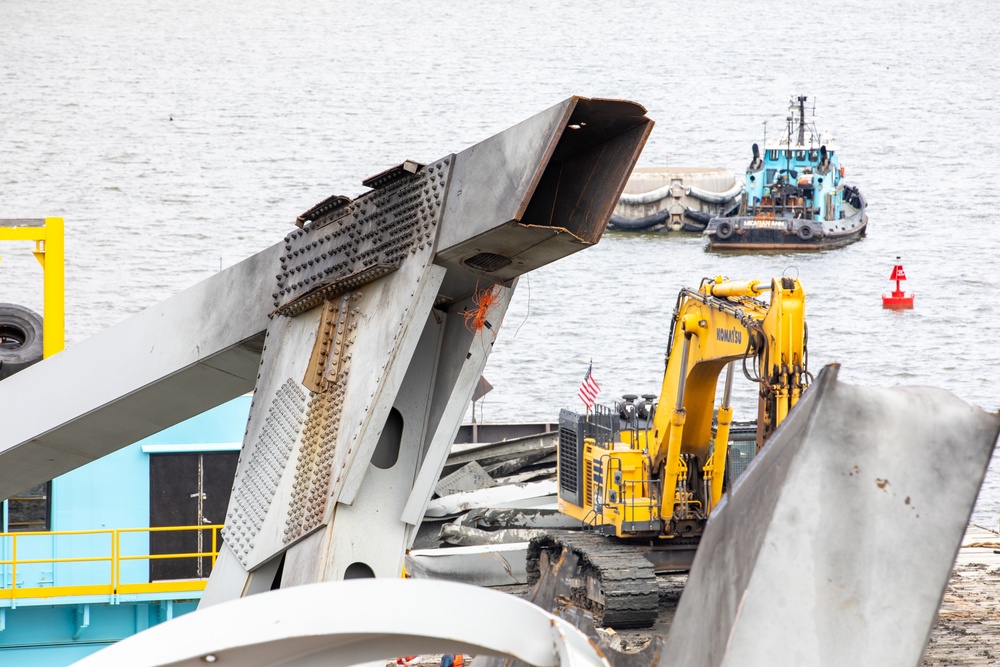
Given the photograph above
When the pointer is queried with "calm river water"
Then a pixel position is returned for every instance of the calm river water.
(176, 138)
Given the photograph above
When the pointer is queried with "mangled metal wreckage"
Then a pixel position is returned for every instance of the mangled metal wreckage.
(363, 356)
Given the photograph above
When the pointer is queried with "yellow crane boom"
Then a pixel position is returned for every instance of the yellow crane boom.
(721, 323)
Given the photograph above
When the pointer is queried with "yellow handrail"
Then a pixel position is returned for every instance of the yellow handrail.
(115, 585)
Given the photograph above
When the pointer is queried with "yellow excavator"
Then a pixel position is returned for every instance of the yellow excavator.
(645, 475)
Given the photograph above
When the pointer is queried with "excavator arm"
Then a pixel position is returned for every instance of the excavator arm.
(723, 324)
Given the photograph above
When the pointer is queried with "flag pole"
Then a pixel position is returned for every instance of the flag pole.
(590, 370)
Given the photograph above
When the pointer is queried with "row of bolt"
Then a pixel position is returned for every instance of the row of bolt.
(345, 249)
(319, 437)
(381, 195)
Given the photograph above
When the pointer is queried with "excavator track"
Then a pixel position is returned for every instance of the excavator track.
(614, 582)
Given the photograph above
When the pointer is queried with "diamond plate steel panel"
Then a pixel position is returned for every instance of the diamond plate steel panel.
(258, 484)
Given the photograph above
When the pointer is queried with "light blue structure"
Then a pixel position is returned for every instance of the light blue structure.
(54, 613)
(814, 171)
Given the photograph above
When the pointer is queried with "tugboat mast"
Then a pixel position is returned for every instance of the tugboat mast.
(802, 119)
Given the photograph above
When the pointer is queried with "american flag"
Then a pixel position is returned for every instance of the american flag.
(589, 389)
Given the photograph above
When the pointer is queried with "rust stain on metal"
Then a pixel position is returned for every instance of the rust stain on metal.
(326, 376)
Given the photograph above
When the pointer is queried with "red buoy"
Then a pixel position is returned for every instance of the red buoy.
(897, 300)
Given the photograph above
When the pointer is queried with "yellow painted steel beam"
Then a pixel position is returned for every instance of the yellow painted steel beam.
(24, 233)
(55, 591)
(180, 586)
(53, 260)
(48, 592)
(50, 253)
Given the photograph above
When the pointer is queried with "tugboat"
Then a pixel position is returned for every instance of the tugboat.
(795, 196)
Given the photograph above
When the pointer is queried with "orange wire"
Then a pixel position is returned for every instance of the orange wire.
(484, 301)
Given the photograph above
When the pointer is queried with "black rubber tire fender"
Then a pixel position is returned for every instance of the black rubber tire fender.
(638, 224)
(700, 217)
(806, 232)
(724, 230)
(20, 338)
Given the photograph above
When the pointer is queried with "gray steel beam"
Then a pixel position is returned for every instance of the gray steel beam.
(202, 346)
(374, 317)
(836, 545)
(414, 279)
(170, 362)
